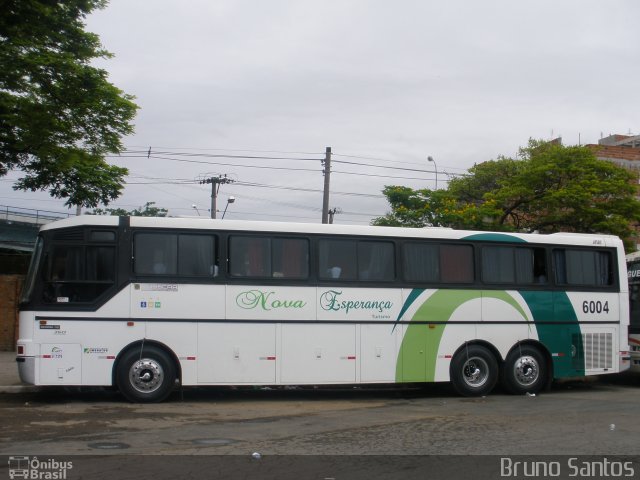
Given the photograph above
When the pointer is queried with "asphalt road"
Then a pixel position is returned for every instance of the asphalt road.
(583, 417)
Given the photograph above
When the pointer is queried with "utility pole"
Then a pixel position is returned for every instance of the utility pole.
(215, 187)
(327, 180)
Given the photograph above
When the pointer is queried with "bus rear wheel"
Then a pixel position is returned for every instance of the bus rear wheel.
(146, 374)
(473, 371)
(524, 370)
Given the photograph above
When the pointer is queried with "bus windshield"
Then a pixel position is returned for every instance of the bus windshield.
(30, 281)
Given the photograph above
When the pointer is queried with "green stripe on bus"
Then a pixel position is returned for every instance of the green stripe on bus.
(495, 237)
(413, 295)
(564, 341)
(419, 349)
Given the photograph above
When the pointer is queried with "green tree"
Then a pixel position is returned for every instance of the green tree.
(59, 116)
(149, 210)
(549, 188)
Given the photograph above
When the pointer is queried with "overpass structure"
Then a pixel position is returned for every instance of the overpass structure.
(19, 227)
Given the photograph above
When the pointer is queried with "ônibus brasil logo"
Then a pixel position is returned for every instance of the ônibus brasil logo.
(32, 468)
(265, 300)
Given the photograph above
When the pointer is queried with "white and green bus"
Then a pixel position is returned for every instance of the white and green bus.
(145, 304)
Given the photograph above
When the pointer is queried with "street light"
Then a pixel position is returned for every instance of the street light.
(430, 159)
(229, 200)
(195, 207)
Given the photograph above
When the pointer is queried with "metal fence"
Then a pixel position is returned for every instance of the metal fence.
(30, 215)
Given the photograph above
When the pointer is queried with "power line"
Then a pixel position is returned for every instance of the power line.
(296, 169)
(230, 150)
(156, 154)
(186, 182)
(382, 166)
(382, 176)
(152, 154)
(310, 190)
(275, 215)
(202, 162)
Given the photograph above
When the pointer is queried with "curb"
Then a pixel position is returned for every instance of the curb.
(19, 389)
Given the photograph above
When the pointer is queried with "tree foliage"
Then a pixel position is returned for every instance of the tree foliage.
(59, 115)
(149, 210)
(549, 188)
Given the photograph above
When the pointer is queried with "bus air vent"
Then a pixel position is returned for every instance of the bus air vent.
(69, 235)
(598, 350)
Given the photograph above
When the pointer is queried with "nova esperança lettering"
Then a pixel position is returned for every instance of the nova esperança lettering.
(258, 299)
(329, 301)
(574, 467)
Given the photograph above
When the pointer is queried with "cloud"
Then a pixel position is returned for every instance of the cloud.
(462, 81)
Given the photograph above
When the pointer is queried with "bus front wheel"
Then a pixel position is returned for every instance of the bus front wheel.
(473, 371)
(146, 374)
(524, 370)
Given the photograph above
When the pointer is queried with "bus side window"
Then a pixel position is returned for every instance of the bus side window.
(421, 262)
(290, 258)
(589, 268)
(540, 266)
(514, 265)
(249, 256)
(197, 255)
(456, 263)
(338, 259)
(376, 261)
(155, 254)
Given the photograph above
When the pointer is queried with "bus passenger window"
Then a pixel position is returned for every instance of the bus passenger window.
(421, 262)
(196, 256)
(249, 256)
(338, 259)
(540, 266)
(155, 254)
(368, 261)
(376, 261)
(290, 258)
(514, 265)
(498, 265)
(456, 263)
(590, 268)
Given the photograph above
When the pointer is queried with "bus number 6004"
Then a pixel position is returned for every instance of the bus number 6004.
(595, 306)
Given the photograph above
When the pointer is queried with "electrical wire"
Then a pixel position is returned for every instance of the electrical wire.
(184, 160)
(155, 154)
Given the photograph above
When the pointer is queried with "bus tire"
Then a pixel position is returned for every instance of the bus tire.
(524, 370)
(474, 371)
(146, 374)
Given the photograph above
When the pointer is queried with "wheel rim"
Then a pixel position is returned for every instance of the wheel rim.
(475, 372)
(146, 375)
(526, 370)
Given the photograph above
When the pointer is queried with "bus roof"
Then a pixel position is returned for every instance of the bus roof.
(317, 228)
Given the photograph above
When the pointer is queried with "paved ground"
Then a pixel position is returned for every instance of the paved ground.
(9, 379)
(317, 433)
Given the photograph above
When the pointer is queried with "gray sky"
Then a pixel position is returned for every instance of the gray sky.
(382, 83)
